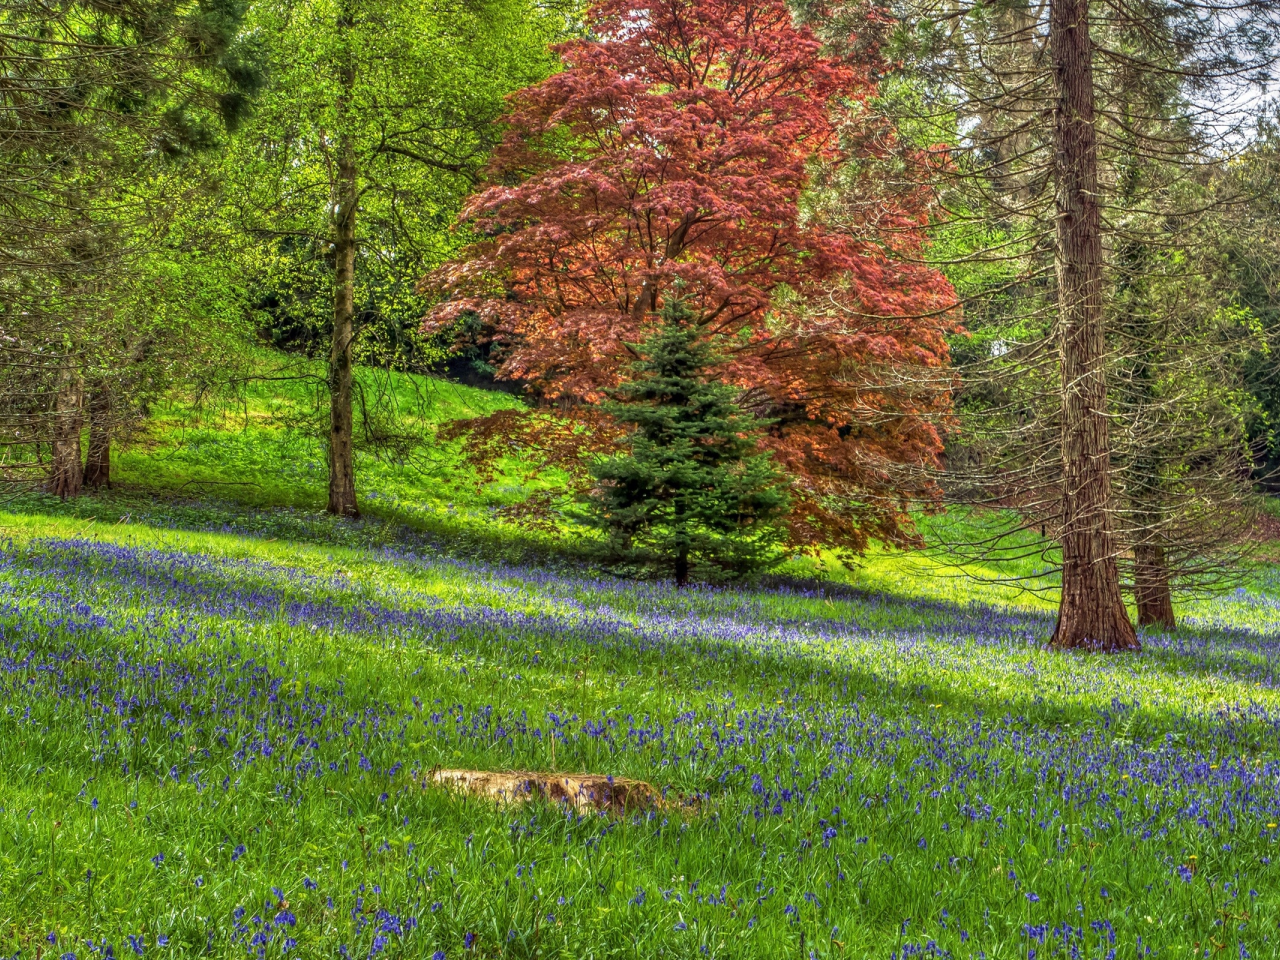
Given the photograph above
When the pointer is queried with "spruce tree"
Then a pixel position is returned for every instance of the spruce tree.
(693, 496)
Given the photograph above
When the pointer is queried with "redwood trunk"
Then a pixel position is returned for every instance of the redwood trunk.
(342, 474)
(1151, 590)
(66, 473)
(1092, 614)
(97, 466)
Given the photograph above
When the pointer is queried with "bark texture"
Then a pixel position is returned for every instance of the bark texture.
(342, 475)
(97, 465)
(1092, 613)
(66, 473)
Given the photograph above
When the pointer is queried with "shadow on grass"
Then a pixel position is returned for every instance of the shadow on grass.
(728, 633)
(512, 548)
(380, 526)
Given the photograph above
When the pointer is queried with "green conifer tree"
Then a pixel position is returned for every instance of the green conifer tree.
(693, 497)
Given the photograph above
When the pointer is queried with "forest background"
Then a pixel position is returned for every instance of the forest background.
(1015, 261)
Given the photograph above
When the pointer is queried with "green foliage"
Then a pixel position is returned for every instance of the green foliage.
(106, 285)
(428, 86)
(693, 496)
(1250, 250)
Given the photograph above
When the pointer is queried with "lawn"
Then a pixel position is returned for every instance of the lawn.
(220, 717)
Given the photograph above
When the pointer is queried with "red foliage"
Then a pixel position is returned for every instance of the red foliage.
(673, 156)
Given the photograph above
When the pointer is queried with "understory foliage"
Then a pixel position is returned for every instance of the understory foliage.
(692, 494)
(678, 148)
(103, 273)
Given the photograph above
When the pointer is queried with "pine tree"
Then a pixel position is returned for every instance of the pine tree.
(693, 496)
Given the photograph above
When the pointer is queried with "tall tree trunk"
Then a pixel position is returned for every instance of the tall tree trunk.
(66, 473)
(342, 474)
(1145, 484)
(1092, 612)
(97, 465)
(682, 567)
(1151, 589)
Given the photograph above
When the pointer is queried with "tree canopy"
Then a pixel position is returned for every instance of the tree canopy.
(683, 146)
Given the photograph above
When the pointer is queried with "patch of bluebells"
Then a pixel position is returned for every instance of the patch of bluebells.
(830, 755)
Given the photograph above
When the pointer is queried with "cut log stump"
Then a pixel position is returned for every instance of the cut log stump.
(584, 792)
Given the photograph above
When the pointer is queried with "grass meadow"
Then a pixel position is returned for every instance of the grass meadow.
(219, 709)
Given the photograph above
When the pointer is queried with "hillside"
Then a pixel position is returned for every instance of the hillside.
(259, 452)
(223, 710)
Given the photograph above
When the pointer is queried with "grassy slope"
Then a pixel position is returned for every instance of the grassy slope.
(264, 447)
(264, 451)
(254, 691)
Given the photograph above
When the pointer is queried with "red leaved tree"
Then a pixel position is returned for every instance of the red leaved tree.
(676, 155)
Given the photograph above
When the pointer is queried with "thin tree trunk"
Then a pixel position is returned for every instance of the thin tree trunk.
(97, 466)
(1092, 612)
(682, 568)
(342, 475)
(66, 473)
(1151, 589)
(1009, 123)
